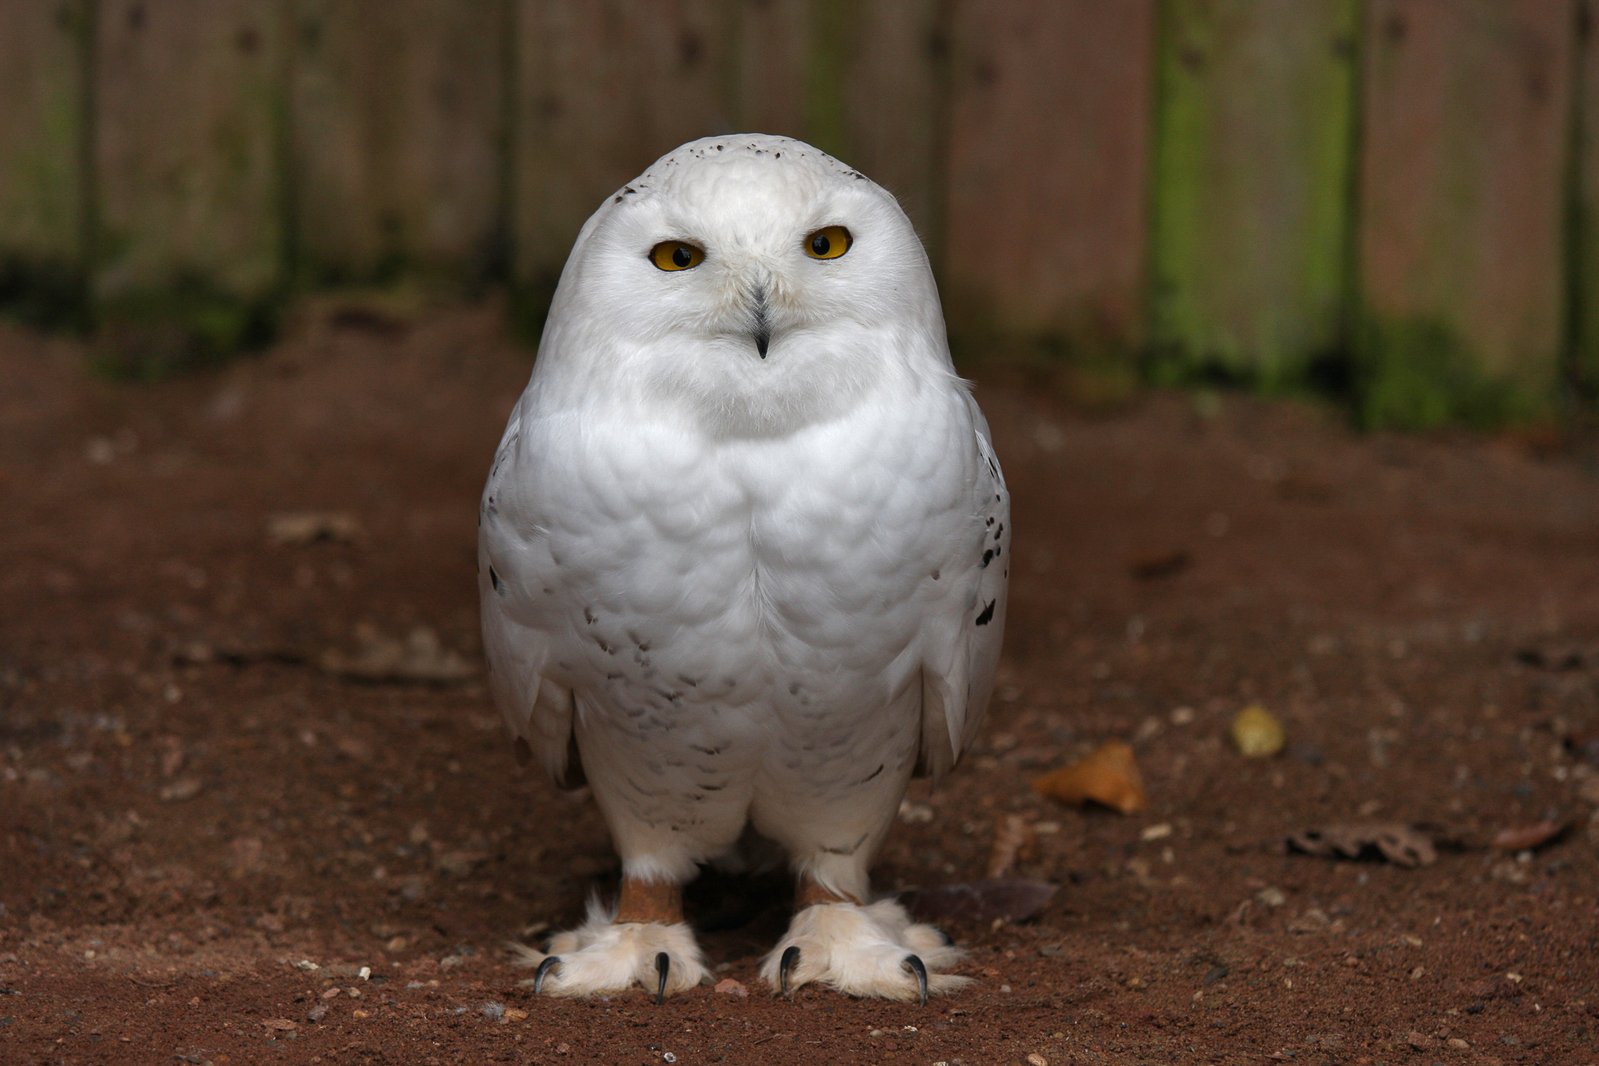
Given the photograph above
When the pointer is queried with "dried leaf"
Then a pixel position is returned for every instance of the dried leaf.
(1014, 835)
(1401, 845)
(981, 902)
(1257, 732)
(1529, 837)
(1159, 564)
(299, 528)
(420, 657)
(1109, 777)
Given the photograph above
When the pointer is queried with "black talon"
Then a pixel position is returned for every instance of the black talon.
(550, 962)
(916, 966)
(663, 963)
(787, 963)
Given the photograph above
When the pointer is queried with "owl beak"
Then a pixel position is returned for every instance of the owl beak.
(761, 329)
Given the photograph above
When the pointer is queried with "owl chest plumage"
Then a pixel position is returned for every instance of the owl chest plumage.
(739, 597)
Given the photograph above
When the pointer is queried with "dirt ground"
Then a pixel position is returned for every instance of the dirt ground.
(255, 805)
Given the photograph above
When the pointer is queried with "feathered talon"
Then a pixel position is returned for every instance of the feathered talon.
(915, 965)
(663, 964)
(790, 960)
(543, 971)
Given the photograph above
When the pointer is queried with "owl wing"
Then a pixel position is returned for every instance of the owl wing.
(512, 559)
(966, 623)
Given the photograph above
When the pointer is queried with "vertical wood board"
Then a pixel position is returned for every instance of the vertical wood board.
(1465, 134)
(41, 134)
(1254, 159)
(1048, 167)
(1584, 286)
(604, 88)
(397, 135)
(860, 80)
(186, 147)
(895, 105)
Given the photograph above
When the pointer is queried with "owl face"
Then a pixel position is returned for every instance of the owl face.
(755, 280)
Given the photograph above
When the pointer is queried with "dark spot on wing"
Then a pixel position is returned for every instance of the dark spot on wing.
(494, 579)
(874, 773)
(937, 574)
(988, 614)
(988, 557)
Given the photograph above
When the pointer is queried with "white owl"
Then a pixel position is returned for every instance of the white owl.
(743, 556)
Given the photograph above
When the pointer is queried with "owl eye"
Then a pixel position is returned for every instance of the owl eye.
(677, 255)
(829, 242)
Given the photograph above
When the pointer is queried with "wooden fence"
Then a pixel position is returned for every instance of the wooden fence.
(1396, 198)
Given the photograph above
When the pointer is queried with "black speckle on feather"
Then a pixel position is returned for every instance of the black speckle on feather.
(988, 614)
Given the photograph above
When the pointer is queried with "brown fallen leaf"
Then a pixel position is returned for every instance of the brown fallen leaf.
(419, 657)
(1157, 565)
(299, 528)
(1529, 837)
(1108, 777)
(980, 902)
(1401, 845)
(1013, 836)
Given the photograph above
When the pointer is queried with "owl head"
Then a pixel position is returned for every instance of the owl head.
(752, 281)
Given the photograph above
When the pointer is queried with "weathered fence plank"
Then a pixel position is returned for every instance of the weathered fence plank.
(42, 84)
(1254, 160)
(604, 88)
(397, 136)
(187, 163)
(861, 79)
(1048, 169)
(1467, 105)
(1583, 289)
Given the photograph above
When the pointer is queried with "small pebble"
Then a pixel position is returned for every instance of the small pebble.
(728, 986)
(1035, 1059)
(493, 1011)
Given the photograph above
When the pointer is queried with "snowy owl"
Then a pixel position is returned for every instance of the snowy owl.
(743, 557)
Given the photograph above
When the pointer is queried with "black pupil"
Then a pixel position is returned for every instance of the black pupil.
(682, 257)
(820, 244)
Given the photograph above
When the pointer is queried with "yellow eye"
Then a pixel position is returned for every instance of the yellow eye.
(677, 255)
(829, 242)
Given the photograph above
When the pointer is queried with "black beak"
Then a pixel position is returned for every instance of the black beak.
(763, 329)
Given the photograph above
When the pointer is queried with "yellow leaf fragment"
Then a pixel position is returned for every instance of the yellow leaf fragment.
(1257, 732)
(1108, 777)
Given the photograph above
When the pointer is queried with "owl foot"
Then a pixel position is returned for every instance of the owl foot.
(874, 950)
(603, 956)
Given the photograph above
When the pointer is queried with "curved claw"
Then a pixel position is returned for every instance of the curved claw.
(915, 965)
(786, 965)
(663, 963)
(549, 963)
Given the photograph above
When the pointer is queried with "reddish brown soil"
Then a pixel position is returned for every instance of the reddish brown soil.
(206, 837)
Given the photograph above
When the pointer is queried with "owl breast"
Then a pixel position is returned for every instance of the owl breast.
(723, 592)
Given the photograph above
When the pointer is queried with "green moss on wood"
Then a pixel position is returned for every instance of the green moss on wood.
(1421, 374)
(150, 334)
(1253, 156)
